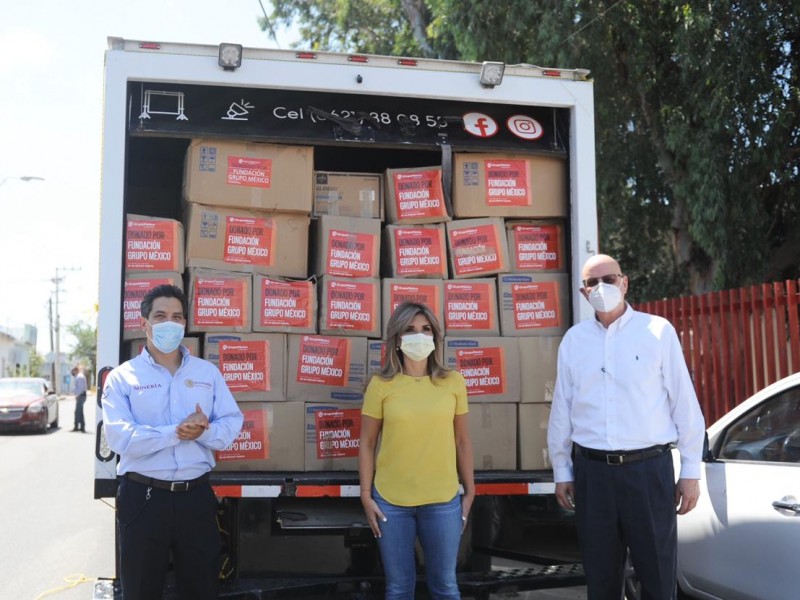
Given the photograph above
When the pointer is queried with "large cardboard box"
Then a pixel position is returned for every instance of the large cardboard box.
(249, 175)
(490, 366)
(249, 241)
(350, 306)
(252, 364)
(418, 251)
(271, 439)
(346, 247)
(535, 304)
(326, 368)
(333, 431)
(136, 346)
(348, 194)
(493, 431)
(509, 185)
(536, 246)
(539, 358)
(422, 291)
(470, 307)
(376, 357)
(219, 301)
(284, 305)
(153, 244)
(533, 420)
(137, 285)
(415, 196)
(477, 247)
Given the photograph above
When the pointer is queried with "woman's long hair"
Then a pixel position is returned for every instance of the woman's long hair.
(401, 318)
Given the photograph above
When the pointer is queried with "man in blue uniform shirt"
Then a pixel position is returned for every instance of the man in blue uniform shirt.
(164, 414)
(623, 398)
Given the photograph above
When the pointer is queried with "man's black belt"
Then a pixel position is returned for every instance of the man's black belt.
(172, 486)
(622, 457)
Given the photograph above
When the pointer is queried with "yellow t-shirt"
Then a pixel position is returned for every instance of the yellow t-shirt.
(416, 462)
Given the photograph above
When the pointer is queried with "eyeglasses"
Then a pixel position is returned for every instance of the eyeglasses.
(610, 279)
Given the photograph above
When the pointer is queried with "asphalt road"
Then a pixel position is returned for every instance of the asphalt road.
(54, 532)
(57, 539)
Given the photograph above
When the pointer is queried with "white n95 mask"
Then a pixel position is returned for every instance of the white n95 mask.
(417, 346)
(605, 297)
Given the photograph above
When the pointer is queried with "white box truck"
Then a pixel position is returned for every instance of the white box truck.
(303, 530)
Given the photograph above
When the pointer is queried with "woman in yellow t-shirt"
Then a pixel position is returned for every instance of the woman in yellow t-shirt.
(410, 490)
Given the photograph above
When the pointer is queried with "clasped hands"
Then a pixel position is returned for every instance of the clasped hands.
(193, 425)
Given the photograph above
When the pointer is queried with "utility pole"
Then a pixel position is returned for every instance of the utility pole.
(57, 361)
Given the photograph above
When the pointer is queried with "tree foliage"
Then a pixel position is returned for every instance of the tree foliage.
(85, 351)
(697, 115)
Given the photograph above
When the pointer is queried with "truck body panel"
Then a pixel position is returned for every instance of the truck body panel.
(353, 109)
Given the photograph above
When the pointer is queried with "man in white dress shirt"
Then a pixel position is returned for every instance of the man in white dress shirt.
(623, 399)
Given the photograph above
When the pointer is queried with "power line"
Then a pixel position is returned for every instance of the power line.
(573, 34)
(269, 25)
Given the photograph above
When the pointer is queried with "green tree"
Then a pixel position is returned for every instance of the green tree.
(85, 351)
(697, 115)
(36, 363)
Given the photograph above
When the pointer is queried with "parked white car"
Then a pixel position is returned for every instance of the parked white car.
(743, 538)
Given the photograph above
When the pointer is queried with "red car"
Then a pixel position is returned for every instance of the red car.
(27, 403)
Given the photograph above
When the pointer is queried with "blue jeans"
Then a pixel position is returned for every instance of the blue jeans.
(438, 527)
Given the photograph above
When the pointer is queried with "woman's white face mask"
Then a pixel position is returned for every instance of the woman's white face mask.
(417, 346)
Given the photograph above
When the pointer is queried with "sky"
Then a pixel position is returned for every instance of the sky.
(51, 93)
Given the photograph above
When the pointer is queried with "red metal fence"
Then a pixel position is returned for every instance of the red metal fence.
(735, 341)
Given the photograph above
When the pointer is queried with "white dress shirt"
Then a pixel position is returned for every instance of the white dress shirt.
(624, 388)
(143, 403)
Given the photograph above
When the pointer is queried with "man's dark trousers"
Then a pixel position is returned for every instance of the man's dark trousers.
(627, 506)
(80, 422)
(148, 528)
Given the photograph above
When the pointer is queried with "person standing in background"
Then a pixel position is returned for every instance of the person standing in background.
(79, 390)
(411, 490)
(623, 399)
(165, 412)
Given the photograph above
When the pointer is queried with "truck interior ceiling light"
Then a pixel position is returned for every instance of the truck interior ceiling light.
(492, 73)
(230, 56)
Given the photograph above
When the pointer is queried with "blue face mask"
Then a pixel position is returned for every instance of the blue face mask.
(167, 336)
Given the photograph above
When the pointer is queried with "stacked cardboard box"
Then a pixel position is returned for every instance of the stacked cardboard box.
(292, 277)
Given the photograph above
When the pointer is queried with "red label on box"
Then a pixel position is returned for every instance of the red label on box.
(536, 247)
(484, 370)
(419, 252)
(249, 172)
(338, 432)
(324, 360)
(535, 305)
(351, 305)
(419, 194)
(252, 443)
(245, 365)
(151, 246)
(468, 306)
(286, 303)
(351, 254)
(507, 183)
(475, 249)
(135, 290)
(419, 293)
(249, 241)
(219, 302)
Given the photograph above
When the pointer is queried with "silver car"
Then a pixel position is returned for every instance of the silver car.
(743, 538)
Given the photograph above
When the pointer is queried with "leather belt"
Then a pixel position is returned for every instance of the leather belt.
(622, 457)
(171, 486)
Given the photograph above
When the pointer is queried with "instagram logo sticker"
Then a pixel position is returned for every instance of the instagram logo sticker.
(525, 127)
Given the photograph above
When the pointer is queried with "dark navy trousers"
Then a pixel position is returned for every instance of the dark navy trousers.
(630, 506)
(152, 522)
